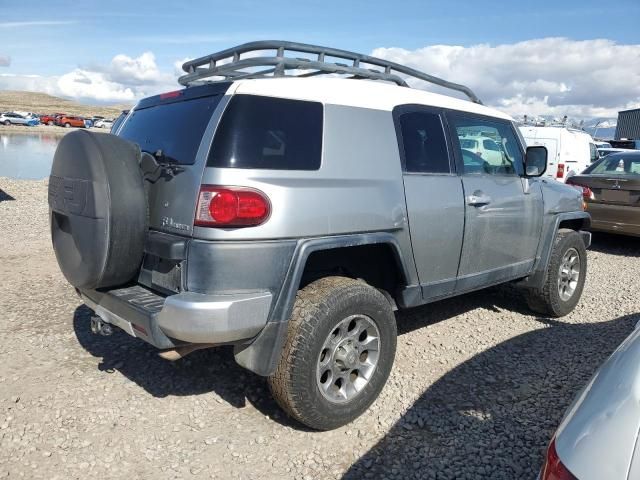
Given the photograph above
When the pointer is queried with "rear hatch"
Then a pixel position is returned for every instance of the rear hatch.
(173, 127)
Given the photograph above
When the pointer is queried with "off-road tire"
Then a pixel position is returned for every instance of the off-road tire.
(547, 300)
(318, 308)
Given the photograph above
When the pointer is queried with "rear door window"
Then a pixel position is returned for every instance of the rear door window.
(175, 129)
(423, 143)
(268, 133)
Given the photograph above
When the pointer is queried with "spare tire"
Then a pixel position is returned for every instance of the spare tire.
(98, 209)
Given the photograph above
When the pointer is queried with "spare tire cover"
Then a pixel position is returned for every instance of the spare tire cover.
(98, 209)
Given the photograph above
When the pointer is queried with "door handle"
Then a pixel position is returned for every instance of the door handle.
(478, 199)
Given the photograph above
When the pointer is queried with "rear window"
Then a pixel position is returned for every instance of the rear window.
(616, 164)
(268, 133)
(174, 128)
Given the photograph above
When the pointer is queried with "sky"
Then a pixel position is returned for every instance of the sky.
(581, 58)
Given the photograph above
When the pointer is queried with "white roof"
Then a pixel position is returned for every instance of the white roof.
(356, 93)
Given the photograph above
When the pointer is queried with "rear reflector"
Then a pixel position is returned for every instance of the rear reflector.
(231, 207)
(560, 172)
(553, 469)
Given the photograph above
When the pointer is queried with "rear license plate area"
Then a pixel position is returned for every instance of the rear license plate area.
(615, 196)
(161, 274)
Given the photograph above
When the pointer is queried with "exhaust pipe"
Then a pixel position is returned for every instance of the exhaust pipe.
(100, 327)
(177, 353)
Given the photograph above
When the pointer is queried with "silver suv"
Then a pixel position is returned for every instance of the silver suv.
(291, 216)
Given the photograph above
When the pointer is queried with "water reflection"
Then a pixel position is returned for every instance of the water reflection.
(26, 156)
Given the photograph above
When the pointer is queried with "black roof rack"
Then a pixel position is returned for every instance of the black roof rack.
(229, 65)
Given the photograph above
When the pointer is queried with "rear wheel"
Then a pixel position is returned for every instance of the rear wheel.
(67, 125)
(565, 277)
(50, 122)
(338, 354)
(7, 123)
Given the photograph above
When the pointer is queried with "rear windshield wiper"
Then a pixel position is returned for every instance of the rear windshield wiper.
(164, 162)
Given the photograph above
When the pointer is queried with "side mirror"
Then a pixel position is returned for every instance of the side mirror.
(535, 162)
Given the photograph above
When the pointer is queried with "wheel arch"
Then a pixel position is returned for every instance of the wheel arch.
(577, 221)
(261, 355)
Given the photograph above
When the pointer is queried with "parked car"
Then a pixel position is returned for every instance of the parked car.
(597, 439)
(603, 152)
(611, 189)
(318, 209)
(12, 118)
(70, 121)
(626, 143)
(104, 123)
(50, 119)
(570, 150)
(600, 145)
(484, 147)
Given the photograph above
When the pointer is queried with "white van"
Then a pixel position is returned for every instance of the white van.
(570, 150)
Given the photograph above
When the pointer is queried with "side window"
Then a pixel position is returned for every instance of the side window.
(424, 144)
(487, 146)
(268, 133)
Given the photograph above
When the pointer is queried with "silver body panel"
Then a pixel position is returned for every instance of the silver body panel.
(501, 234)
(598, 437)
(436, 217)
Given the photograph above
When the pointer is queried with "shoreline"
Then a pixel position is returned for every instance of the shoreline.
(40, 129)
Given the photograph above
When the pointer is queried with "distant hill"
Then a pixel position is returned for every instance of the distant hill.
(42, 103)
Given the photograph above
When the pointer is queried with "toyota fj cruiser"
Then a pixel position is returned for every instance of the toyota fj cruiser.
(291, 216)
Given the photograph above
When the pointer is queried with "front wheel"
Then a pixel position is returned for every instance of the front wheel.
(67, 125)
(565, 277)
(7, 123)
(50, 123)
(338, 354)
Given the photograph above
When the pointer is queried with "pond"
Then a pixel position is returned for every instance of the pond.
(27, 156)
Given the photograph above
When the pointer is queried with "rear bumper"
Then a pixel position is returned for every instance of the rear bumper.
(615, 227)
(611, 218)
(182, 318)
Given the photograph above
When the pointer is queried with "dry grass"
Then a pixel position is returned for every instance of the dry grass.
(42, 103)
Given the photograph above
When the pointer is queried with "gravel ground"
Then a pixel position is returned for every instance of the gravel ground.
(478, 386)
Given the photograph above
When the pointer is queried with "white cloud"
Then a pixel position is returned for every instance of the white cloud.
(550, 76)
(124, 79)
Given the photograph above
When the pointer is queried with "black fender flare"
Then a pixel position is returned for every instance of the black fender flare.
(262, 354)
(537, 277)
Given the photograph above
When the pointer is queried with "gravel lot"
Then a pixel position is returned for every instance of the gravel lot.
(478, 386)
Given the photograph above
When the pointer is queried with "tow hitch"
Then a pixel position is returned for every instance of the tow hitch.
(99, 326)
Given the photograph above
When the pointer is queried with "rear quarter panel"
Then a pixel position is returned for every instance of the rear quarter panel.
(358, 187)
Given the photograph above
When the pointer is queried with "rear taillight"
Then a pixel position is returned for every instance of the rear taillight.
(553, 469)
(560, 172)
(231, 207)
(587, 193)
